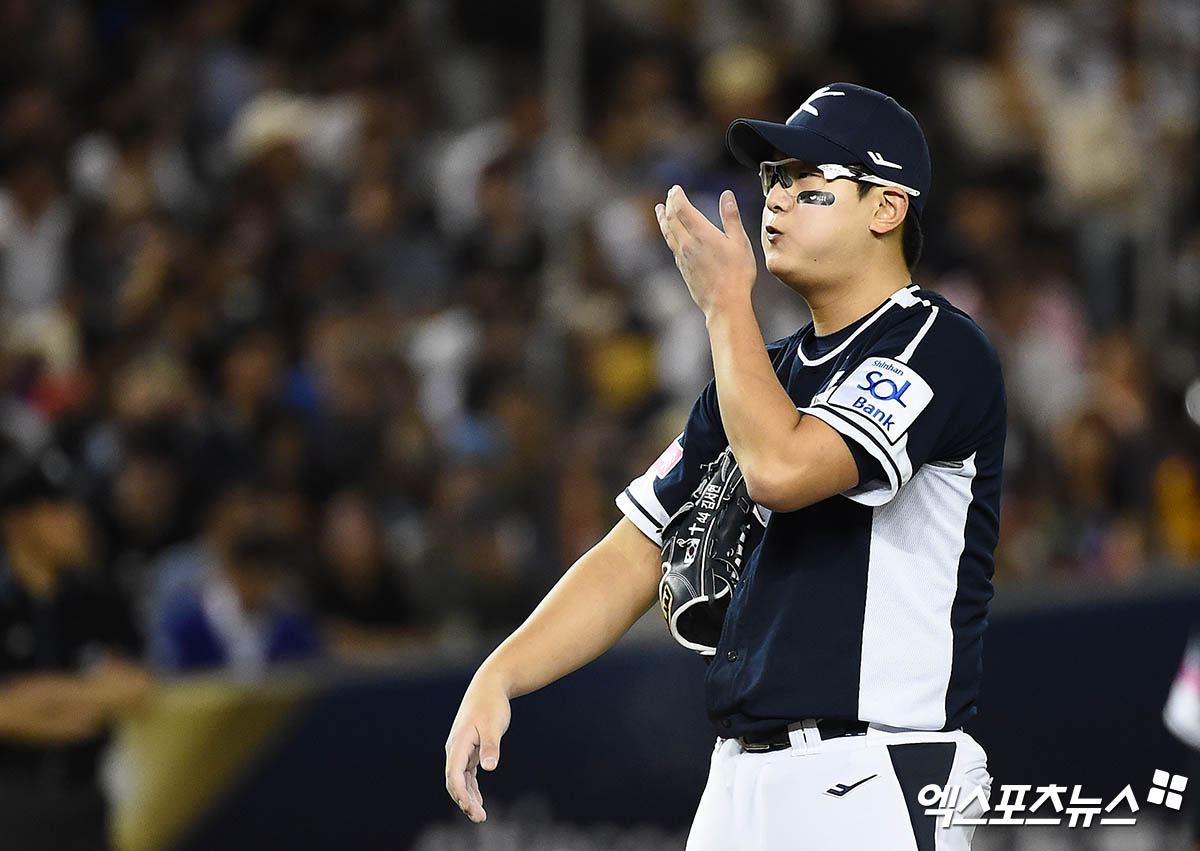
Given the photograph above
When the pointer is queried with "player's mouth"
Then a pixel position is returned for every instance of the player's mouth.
(773, 233)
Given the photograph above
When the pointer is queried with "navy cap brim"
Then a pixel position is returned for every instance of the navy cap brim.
(752, 142)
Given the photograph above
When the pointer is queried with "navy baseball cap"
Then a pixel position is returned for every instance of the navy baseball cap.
(848, 125)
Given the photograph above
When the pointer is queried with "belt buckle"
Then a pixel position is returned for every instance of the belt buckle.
(754, 747)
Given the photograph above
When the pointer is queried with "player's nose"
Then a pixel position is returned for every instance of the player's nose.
(778, 199)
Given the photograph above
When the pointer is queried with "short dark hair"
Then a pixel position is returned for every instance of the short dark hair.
(912, 238)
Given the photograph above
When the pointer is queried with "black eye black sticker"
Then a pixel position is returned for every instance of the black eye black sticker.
(818, 197)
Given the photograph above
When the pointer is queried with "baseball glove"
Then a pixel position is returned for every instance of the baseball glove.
(705, 547)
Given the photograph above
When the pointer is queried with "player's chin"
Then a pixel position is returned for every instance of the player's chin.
(791, 272)
(778, 262)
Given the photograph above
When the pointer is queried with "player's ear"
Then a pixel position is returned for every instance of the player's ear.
(891, 206)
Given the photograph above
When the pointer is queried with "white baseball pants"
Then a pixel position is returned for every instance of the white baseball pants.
(854, 793)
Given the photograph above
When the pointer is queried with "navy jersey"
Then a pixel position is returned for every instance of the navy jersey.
(870, 604)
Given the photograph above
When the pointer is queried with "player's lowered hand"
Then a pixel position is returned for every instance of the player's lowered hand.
(474, 740)
(717, 266)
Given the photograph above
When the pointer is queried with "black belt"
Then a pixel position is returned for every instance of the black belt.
(777, 738)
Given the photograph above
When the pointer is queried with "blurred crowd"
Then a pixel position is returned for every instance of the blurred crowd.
(332, 333)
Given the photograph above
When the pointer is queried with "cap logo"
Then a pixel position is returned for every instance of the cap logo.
(879, 160)
(807, 106)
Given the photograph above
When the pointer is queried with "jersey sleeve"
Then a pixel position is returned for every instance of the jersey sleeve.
(929, 389)
(869, 468)
(651, 498)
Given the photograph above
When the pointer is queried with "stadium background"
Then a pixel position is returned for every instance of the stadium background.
(386, 278)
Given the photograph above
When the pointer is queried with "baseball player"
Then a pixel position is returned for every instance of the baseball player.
(871, 440)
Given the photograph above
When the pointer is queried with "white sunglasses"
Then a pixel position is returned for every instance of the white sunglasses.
(771, 172)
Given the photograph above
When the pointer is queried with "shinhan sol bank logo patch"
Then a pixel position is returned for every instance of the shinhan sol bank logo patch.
(884, 392)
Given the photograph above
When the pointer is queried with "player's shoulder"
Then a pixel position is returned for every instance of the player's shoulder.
(940, 326)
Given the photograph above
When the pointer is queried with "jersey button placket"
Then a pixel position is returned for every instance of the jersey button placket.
(732, 656)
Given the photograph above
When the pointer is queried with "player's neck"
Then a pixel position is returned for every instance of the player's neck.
(836, 306)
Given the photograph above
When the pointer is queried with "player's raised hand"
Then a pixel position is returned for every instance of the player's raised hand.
(716, 265)
(474, 740)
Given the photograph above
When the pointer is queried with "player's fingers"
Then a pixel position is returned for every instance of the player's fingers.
(456, 786)
(675, 214)
(692, 220)
(731, 219)
(664, 227)
(489, 752)
(468, 797)
(474, 801)
(461, 757)
(459, 746)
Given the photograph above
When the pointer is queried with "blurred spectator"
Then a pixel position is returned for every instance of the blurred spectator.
(1177, 505)
(356, 591)
(241, 616)
(1100, 533)
(67, 645)
(484, 548)
(36, 220)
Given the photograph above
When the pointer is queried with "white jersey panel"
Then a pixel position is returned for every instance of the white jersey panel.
(907, 647)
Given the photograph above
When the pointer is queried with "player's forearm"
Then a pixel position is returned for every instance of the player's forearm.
(760, 419)
(593, 605)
